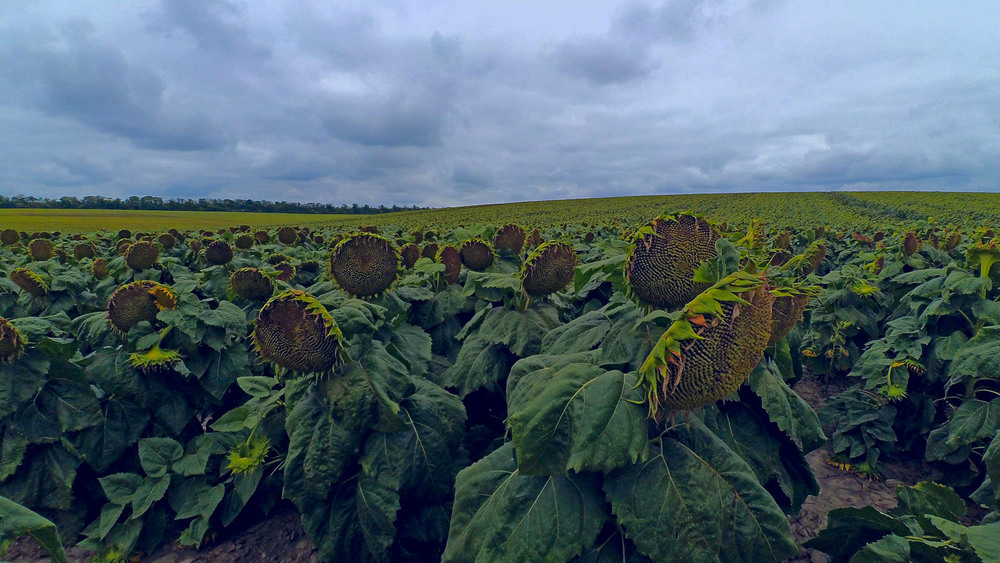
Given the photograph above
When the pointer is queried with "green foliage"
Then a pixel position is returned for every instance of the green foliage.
(462, 421)
(924, 527)
(16, 521)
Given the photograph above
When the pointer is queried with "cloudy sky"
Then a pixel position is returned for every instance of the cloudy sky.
(463, 102)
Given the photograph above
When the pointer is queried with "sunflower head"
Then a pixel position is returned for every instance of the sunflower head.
(246, 457)
(12, 342)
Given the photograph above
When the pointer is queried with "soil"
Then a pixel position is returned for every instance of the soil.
(281, 538)
(842, 489)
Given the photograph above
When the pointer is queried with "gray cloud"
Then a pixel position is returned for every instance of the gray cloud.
(603, 61)
(216, 25)
(84, 79)
(450, 104)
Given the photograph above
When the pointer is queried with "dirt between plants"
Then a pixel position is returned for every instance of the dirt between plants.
(281, 538)
(278, 539)
(842, 489)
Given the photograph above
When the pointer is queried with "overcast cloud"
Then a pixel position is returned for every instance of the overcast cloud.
(453, 103)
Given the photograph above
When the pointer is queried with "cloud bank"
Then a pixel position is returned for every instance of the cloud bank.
(450, 103)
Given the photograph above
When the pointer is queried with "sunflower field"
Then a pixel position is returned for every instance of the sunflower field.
(502, 387)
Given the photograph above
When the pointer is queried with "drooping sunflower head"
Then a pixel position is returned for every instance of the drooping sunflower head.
(251, 284)
(785, 314)
(41, 249)
(911, 243)
(511, 237)
(706, 354)
(9, 237)
(287, 235)
(276, 258)
(99, 268)
(429, 250)
(84, 250)
(410, 253)
(535, 238)
(662, 259)
(285, 271)
(155, 359)
(815, 254)
(244, 241)
(122, 245)
(548, 269)
(12, 342)
(138, 301)
(295, 332)
(477, 254)
(218, 253)
(29, 281)
(141, 255)
(452, 260)
(167, 240)
(365, 264)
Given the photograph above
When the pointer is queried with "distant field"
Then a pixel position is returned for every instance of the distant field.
(844, 210)
(87, 220)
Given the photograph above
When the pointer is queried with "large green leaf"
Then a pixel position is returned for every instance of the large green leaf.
(501, 515)
(335, 522)
(21, 380)
(974, 420)
(387, 374)
(377, 503)
(581, 334)
(849, 529)
(929, 499)
(413, 345)
(623, 346)
(580, 418)
(158, 455)
(12, 451)
(226, 315)
(991, 458)
(984, 540)
(696, 499)
(445, 304)
(777, 461)
(223, 369)
(552, 363)
(977, 358)
(424, 454)
(616, 548)
(120, 487)
(479, 364)
(785, 407)
(890, 549)
(16, 521)
(45, 479)
(150, 490)
(520, 331)
(73, 404)
(323, 441)
(194, 497)
(121, 426)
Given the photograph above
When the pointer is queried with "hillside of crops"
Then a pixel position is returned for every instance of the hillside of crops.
(90, 220)
(841, 210)
(844, 210)
(661, 378)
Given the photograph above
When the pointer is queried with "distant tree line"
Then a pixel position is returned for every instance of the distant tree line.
(152, 203)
